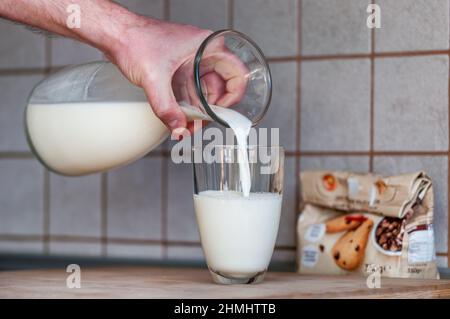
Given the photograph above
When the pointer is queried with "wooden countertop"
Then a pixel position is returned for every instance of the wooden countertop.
(157, 282)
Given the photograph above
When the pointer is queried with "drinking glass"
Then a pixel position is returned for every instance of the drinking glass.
(238, 233)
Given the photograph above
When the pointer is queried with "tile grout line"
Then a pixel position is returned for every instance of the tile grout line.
(104, 214)
(124, 241)
(113, 240)
(166, 10)
(164, 176)
(165, 154)
(372, 96)
(298, 128)
(24, 71)
(448, 155)
(298, 107)
(16, 155)
(230, 14)
(164, 205)
(46, 177)
(48, 55)
(46, 212)
(366, 153)
(393, 54)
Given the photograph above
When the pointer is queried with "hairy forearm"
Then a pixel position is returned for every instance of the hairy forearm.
(103, 23)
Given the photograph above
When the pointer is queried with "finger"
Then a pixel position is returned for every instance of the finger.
(233, 71)
(234, 66)
(235, 87)
(161, 98)
(213, 87)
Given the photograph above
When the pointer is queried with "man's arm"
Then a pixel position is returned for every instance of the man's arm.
(102, 21)
(147, 51)
(132, 42)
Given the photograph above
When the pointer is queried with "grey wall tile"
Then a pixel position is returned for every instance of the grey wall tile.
(442, 261)
(272, 24)
(152, 8)
(182, 223)
(134, 251)
(413, 25)
(21, 197)
(411, 103)
(185, 253)
(334, 27)
(75, 205)
(75, 249)
(282, 111)
(67, 52)
(14, 91)
(286, 231)
(20, 47)
(21, 247)
(206, 14)
(335, 104)
(437, 168)
(338, 163)
(134, 200)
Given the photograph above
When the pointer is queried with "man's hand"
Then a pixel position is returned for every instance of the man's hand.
(149, 56)
(159, 58)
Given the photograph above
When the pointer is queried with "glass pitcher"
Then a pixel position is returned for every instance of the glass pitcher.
(89, 118)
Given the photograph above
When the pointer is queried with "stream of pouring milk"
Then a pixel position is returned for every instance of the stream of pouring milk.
(241, 127)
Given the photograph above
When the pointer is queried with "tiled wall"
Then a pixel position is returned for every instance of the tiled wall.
(345, 97)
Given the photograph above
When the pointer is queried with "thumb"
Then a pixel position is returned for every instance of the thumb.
(162, 100)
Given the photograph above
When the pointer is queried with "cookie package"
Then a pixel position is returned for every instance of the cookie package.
(363, 223)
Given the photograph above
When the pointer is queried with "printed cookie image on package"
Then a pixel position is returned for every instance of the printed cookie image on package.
(355, 223)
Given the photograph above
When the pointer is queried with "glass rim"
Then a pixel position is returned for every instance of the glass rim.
(197, 80)
(249, 147)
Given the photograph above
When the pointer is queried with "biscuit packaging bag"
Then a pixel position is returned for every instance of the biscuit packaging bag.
(363, 223)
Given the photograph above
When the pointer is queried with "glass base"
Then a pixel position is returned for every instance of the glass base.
(224, 279)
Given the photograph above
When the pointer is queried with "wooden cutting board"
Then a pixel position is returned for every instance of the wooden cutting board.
(153, 282)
